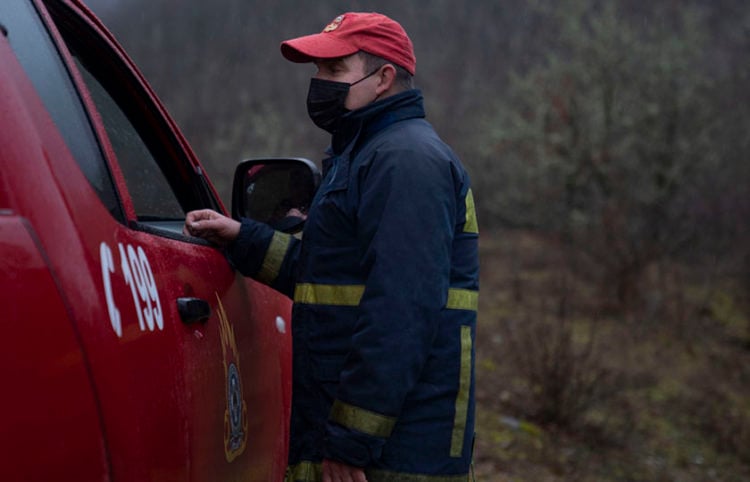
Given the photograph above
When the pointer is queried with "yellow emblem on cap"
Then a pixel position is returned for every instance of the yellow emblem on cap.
(334, 24)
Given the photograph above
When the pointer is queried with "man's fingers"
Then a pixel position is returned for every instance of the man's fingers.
(203, 226)
(331, 472)
(340, 472)
(327, 472)
(211, 226)
(201, 215)
(194, 221)
(203, 220)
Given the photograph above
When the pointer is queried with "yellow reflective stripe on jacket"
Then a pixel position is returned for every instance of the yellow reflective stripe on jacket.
(362, 420)
(471, 225)
(460, 299)
(340, 295)
(350, 295)
(462, 399)
(275, 253)
(304, 472)
(388, 476)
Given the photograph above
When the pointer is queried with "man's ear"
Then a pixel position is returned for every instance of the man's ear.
(386, 79)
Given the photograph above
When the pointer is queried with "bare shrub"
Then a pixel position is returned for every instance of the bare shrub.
(562, 370)
(721, 415)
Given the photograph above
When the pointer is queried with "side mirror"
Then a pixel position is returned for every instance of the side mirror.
(274, 191)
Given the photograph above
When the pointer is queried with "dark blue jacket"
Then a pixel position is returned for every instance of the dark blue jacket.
(385, 283)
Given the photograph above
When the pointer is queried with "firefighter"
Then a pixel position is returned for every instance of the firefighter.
(385, 278)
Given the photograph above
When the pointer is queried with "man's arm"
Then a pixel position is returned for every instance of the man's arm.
(254, 248)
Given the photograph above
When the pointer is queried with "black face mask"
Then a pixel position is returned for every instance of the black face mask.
(325, 103)
(326, 99)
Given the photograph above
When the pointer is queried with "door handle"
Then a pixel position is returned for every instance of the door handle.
(193, 310)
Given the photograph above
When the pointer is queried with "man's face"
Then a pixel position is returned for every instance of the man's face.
(349, 69)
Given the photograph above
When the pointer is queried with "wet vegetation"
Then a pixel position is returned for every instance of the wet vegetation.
(573, 387)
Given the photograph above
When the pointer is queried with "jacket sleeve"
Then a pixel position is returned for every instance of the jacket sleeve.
(265, 255)
(406, 216)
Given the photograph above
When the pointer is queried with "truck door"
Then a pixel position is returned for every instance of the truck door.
(190, 361)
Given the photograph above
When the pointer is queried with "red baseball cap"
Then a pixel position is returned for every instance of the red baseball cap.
(351, 32)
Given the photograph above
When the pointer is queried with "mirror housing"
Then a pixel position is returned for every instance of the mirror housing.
(275, 191)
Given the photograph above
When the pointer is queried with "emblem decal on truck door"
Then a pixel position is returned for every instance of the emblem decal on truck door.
(235, 415)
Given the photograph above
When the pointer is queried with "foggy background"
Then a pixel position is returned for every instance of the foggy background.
(608, 147)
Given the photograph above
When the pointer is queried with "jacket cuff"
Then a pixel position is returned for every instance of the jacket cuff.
(356, 435)
(258, 251)
(351, 448)
(237, 251)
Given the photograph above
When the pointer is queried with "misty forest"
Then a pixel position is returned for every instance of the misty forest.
(609, 148)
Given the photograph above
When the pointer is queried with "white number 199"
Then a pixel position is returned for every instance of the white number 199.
(136, 270)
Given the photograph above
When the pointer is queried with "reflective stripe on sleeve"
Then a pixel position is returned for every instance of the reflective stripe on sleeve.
(470, 226)
(460, 299)
(362, 420)
(340, 295)
(275, 253)
(462, 399)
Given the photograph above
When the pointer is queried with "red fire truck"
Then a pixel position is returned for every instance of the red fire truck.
(129, 351)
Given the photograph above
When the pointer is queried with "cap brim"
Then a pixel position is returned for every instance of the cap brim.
(316, 46)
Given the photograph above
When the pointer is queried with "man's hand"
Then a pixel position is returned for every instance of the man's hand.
(212, 226)
(339, 472)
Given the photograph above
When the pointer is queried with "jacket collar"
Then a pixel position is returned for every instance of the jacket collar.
(372, 118)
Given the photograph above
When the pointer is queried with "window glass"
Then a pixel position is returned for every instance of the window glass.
(40, 59)
(152, 196)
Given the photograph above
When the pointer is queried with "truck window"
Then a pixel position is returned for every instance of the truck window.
(41, 61)
(153, 198)
(158, 171)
